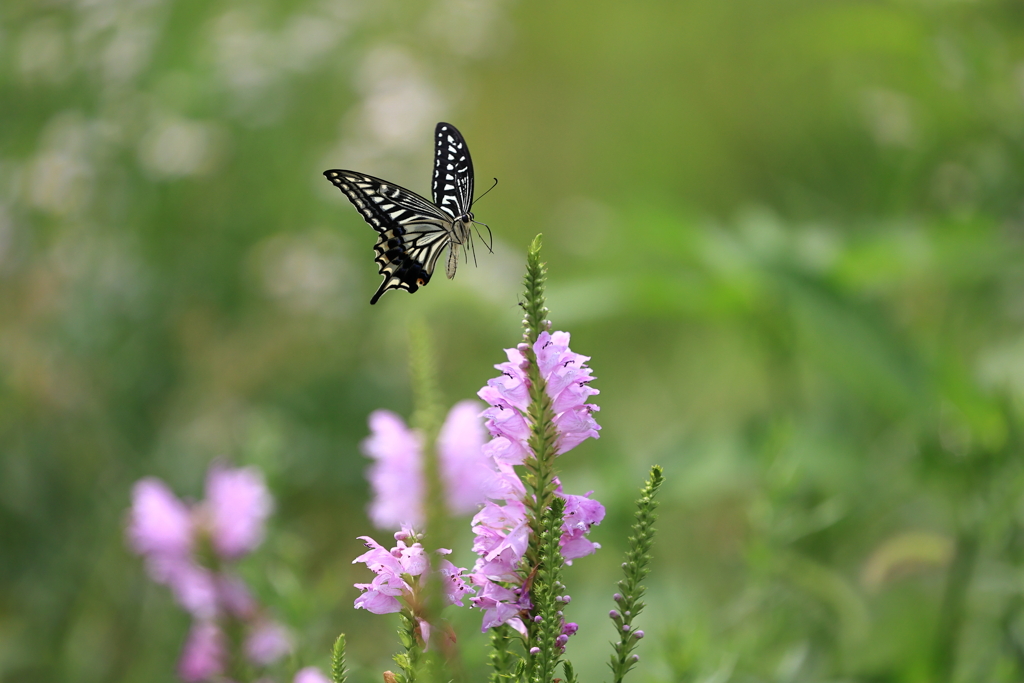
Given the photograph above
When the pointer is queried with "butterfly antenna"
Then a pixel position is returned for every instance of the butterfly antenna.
(490, 236)
(484, 194)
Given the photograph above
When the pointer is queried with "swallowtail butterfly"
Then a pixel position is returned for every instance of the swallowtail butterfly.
(412, 231)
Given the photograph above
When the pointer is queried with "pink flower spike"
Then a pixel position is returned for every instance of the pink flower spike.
(464, 466)
(267, 643)
(159, 523)
(396, 476)
(238, 503)
(310, 674)
(204, 653)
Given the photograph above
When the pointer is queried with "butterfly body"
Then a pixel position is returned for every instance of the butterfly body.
(412, 231)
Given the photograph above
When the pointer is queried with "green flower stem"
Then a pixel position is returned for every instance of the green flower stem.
(636, 567)
(410, 661)
(502, 661)
(540, 467)
(545, 593)
(545, 510)
(426, 419)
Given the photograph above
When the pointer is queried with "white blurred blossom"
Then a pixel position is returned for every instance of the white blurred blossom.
(175, 147)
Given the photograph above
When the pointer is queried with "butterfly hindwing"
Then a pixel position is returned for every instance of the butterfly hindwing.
(452, 185)
(412, 232)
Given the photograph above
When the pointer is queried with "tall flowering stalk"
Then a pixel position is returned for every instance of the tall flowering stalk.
(526, 527)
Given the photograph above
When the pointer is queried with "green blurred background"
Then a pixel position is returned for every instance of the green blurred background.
(788, 233)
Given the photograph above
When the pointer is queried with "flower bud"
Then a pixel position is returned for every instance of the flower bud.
(614, 615)
(638, 634)
(534, 650)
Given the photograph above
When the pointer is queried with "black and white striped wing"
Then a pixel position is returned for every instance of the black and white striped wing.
(453, 171)
(412, 232)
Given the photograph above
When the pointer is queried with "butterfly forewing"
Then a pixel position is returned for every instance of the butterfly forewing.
(412, 232)
(452, 186)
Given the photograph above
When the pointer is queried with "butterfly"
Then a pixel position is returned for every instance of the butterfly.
(413, 231)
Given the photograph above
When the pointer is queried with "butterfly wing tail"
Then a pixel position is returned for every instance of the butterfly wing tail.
(380, 290)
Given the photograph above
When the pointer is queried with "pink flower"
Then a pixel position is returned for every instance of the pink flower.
(238, 504)
(268, 642)
(567, 382)
(455, 586)
(396, 476)
(204, 654)
(310, 674)
(465, 469)
(159, 524)
(502, 606)
(165, 532)
(501, 531)
(581, 512)
(396, 569)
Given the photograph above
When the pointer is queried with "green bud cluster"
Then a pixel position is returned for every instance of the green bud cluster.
(636, 567)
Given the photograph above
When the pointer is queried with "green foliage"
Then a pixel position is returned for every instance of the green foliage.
(788, 234)
(505, 665)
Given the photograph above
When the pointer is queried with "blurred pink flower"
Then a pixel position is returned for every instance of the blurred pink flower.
(465, 469)
(396, 476)
(166, 532)
(310, 674)
(267, 642)
(238, 504)
(204, 654)
(159, 525)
